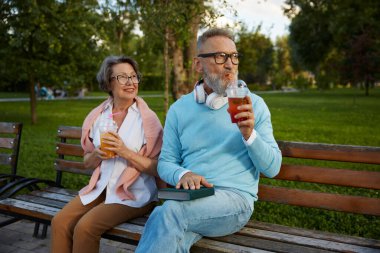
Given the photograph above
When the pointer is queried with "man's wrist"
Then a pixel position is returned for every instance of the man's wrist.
(182, 173)
(251, 138)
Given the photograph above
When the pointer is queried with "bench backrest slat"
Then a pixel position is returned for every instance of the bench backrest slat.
(67, 152)
(329, 201)
(331, 152)
(7, 143)
(311, 174)
(70, 132)
(69, 149)
(72, 167)
(10, 127)
(10, 137)
(7, 159)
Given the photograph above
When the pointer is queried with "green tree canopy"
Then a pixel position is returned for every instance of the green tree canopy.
(49, 42)
(344, 34)
(257, 51)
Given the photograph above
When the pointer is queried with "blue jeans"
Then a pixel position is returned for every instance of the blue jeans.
(177, 225)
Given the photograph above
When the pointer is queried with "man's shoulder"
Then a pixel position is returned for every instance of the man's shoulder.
(256, 98)
(183, 101)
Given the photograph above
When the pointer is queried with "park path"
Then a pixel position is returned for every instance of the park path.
(17, 238)
(73, 98)
(143, 96)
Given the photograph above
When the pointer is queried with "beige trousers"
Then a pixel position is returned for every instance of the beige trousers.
(78, 228)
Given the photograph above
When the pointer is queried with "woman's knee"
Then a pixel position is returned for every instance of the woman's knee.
(83, 227)
(60, 221)
(91, 226)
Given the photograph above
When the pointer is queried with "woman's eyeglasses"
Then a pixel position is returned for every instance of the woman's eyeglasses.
(123, 79)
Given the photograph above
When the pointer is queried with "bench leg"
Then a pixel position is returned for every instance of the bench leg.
(44, 231)
(37, 228)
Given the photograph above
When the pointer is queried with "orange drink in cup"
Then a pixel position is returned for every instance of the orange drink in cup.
(236, 94)
(105, 128)
(104, 146)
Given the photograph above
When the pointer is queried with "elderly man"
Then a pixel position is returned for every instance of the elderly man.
(201, 147)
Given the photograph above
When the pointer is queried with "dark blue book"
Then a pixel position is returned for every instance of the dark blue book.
(182, 194)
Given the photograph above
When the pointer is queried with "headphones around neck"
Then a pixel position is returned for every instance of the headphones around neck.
(213, 100)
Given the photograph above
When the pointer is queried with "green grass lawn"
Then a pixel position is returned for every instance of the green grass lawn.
(342, 116)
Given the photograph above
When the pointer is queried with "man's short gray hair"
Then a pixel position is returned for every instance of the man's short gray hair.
(105, 71)
(212, 33)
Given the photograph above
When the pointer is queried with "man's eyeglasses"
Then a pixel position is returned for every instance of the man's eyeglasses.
(221, 58)
(123, 79)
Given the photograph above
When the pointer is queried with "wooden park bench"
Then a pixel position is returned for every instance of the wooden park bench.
(41, 205)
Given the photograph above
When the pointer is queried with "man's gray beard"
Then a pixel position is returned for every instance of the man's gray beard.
(216, 83)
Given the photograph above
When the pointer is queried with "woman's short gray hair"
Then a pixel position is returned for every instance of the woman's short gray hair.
(212, 33)
(105, 71)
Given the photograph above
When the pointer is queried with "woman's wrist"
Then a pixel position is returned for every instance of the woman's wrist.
(128, 154)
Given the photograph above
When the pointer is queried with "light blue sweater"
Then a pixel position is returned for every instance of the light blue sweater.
(207, 143)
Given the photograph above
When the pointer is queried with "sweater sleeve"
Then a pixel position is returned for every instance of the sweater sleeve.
(170, 159)
(264, 151)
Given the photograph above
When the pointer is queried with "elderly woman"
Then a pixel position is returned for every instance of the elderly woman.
(127, 186)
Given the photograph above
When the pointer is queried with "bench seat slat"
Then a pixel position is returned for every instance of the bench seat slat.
(331, 152)
(360, 241)
(329, 201)
(127, 230)
(63, 191)
(53, 196)
(342, 177)
(212, 246)
(303, 240)
(269, 245)
(28, 209)
(41, 201)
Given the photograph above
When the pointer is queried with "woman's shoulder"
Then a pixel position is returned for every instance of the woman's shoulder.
(146, 112)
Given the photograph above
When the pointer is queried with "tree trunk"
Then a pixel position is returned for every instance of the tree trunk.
(119, 36)
(366, 87)
(167, 72)
(180, 76)
(192, 50)
(33, 103)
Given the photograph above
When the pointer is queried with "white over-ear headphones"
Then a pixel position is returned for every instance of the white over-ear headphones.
(213, 100)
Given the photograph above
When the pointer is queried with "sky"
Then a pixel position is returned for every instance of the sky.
(268, 13)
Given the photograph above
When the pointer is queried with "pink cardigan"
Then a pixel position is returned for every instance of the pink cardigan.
(153, 135)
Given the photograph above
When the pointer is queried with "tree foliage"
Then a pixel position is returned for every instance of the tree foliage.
(48, 42)
(283, 71)
(119, 19)
(257, 61)
(173, 26)
(337, 39)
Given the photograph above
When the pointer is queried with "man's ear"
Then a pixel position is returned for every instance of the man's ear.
(197, 65)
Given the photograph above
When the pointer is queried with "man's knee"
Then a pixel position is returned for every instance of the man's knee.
(169, 210)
